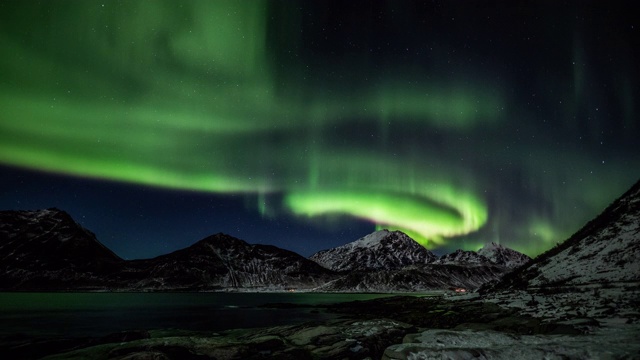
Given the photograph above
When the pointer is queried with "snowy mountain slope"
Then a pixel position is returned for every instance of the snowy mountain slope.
(472, 344)
(490, 254)
(591, 282)
(392, 261)
(381, 250)
(462, 257)
(416, 278)
(605, 250)
(503, 256)
(46, 249)
(221, 261)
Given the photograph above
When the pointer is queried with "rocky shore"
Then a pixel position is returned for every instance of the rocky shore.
(386, 328)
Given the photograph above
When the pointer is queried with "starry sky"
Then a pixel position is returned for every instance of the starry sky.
(308, 124)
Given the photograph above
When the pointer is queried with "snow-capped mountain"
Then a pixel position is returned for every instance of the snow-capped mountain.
(503, 256)
(490, 254)
(222, 261)
(392, 261)
(426, 277)
(46, 249)
(605, 251)
(381, 250)
(462, 257)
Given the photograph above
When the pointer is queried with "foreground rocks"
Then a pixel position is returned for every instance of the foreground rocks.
(363, 330)
(397, 328)
(441, 313)
(337, 339)
(467, 344)
(22, 347)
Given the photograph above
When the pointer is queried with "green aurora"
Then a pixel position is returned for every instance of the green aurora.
(197, 95)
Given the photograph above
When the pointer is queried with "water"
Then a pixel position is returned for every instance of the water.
(98, 314)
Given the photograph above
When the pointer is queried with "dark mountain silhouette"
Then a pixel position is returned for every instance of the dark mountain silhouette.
(222, 261)
(47, 249)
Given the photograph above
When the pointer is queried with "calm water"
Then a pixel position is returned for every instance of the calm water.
(97, 314)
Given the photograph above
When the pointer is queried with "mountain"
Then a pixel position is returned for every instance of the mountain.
(426, 277)
(386, 261)
(605, 251)
(381, 250)
(462, 257)
(490, 254)
(222, 261)
(503, 256)
(47, 249)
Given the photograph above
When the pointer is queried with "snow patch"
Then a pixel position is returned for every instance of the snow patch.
(370, 240)
(448, 344)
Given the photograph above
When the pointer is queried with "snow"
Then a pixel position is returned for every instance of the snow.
(381, 250)
(609, 342)
(607, 254)
(595, 262)
(589, 301)
(370, 240)
(371, 327)
(503, 256)
(592, 285)
(490, 254)
(390, 261)
(459, 257)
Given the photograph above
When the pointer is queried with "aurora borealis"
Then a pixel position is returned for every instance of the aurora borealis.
(457, 122)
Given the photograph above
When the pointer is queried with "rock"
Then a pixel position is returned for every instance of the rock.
(308, 335)
(450, 344)
(337, 339)
(123, 336)
(155, 352)
(147, 355)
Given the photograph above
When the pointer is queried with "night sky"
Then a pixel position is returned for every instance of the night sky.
(308, 124)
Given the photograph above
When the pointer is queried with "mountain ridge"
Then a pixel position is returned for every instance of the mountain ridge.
(390, 261)
(40, 248)
(608, 241)
(217, 262)
(237, 263)
(380, 250)
(503, 256)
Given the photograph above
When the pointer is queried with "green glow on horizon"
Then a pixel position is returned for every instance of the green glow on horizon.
(415, 214)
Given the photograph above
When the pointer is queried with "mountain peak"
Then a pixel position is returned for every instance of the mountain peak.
(492, 245)
(223, 261)
(48, 242)
(379, 250)
(221, 238)
(58, 225)
(490, 254)
(503, 256)
(463, 257)
(374, 238)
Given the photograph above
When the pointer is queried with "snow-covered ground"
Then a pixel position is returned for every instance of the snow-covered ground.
(608, 317)
(611, 342)
(596, 302)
